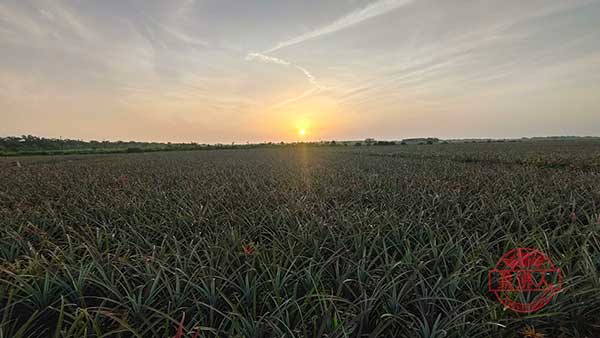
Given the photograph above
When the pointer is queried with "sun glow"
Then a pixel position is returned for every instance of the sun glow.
(302, 132)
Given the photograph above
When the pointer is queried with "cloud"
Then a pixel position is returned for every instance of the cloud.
(45, 23)
(183, 37)
(375, 9)
(266, 59)
(475, 58)
(310, 77)
(270, 59)
(296, 98)
(14, 24)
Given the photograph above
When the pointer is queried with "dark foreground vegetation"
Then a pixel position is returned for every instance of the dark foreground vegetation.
(381, 241)
(33, 145)
(28, 145)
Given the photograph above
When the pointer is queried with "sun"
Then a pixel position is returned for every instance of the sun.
(302, 128)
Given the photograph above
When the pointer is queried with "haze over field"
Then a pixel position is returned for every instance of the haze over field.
(222, 71)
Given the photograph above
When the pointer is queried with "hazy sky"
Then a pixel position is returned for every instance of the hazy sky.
(223, 70)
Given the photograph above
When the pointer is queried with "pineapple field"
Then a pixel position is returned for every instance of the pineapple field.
(298, 241)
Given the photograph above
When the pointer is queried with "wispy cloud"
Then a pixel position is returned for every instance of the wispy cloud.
(375, 9)
(183, 37)
(357, 16)
(266, 59)
(270, 59)
(389, 65)
(295, 98)
(46, 23)
(14, 24)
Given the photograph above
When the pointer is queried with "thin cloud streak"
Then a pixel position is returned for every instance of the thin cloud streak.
(295, 99)
(267, 59)
(375, 9)
(424, 73)
(270, 59)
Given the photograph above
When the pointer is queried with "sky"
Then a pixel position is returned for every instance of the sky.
(214, 71)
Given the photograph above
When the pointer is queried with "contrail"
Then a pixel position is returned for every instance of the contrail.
(375, 9)
(271, 59)
(310, 77)
(266, 59)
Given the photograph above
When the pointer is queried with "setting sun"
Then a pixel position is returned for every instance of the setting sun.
(302, 127)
